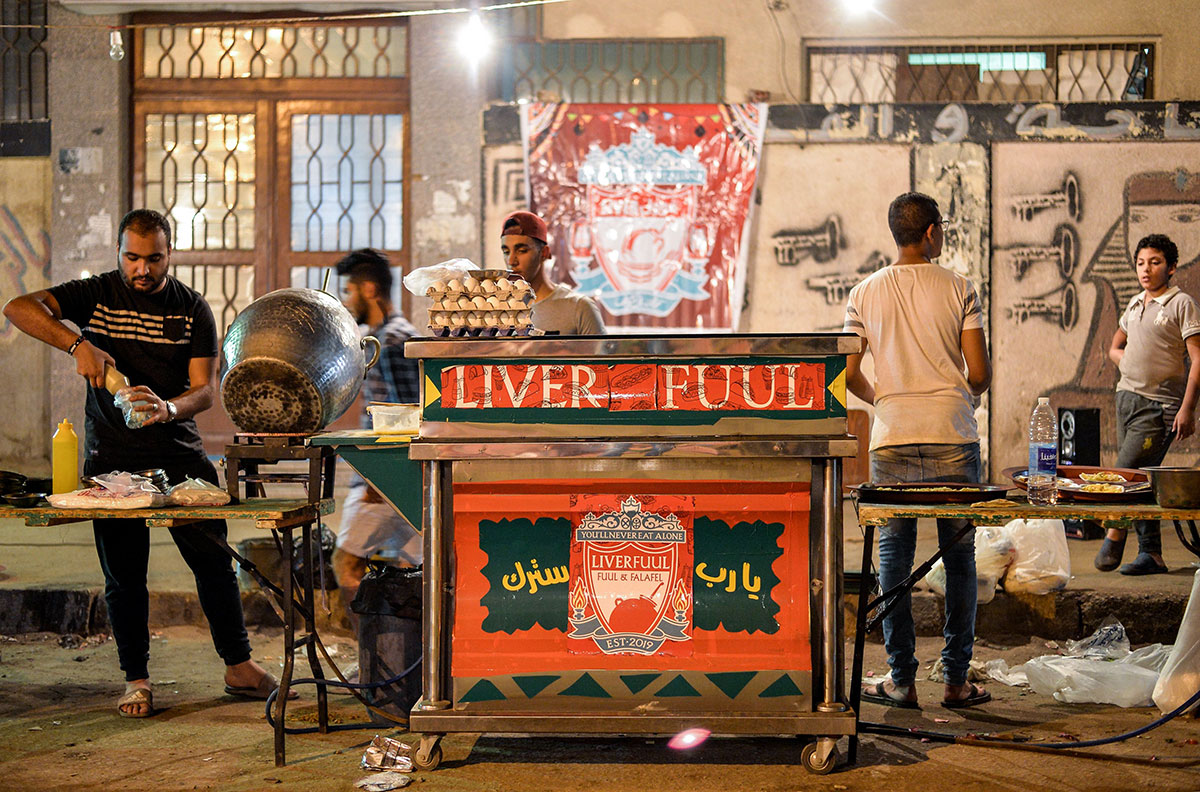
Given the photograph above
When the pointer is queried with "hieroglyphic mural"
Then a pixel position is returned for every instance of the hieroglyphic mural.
(1063, 271)
(821, 227)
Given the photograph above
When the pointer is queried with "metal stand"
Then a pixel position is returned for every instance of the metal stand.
(248, 451)
(296, 597)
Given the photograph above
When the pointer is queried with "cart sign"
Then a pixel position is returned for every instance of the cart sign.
(648, 205)
(631, 575)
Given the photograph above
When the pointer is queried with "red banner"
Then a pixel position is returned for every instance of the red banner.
(648, 206)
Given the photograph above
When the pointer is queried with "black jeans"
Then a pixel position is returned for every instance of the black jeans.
(123, 546)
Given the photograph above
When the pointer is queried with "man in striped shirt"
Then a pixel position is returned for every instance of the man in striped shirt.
(159, 333)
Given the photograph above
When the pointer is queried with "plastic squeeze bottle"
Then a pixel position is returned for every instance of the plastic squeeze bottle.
(114, 380)
(64, 455)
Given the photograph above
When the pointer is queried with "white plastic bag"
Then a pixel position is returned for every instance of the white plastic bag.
(134, 419)
(116, 490)
(1043, 562)
(1128, 682)
(1180, 677)
(196, 492)
(994, 551)
(419, 280)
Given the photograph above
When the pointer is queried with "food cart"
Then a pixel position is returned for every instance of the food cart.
(628, 534)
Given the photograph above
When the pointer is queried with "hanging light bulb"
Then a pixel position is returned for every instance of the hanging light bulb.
(116, 48)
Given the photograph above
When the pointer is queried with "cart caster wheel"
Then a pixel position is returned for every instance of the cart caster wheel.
(814, 764)
(427, 760)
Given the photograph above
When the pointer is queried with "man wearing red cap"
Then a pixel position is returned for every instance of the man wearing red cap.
(556, 306)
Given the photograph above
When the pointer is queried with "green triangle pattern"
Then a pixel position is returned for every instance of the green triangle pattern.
(678, 687)
(784, 686)
(532, 685)
(587, 687)
(636, 682)
(731, 682)
(483, 690)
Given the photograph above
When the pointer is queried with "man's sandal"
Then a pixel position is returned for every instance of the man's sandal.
(137, 696)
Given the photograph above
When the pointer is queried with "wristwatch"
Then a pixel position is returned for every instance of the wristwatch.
(172, 410)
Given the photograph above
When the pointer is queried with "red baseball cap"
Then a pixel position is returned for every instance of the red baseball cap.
(525, 224)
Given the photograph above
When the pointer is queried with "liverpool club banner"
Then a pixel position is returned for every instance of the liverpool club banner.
(648, 206)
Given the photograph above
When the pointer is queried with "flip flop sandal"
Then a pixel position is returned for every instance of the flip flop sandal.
(978, 696)
(877, 695)
(267, 684)
(137, 696)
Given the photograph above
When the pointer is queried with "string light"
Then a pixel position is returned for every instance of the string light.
(116, 48)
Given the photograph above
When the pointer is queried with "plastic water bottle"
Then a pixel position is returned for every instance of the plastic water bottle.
(1042, 476)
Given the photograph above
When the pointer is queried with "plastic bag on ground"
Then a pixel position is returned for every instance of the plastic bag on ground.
(196, 492)
(1043, 562)
(419, 280)
(1128, 682)
(1180, 677)
(1108, 642)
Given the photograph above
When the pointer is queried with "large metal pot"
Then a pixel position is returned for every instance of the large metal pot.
(1175, 487)
(292, 361)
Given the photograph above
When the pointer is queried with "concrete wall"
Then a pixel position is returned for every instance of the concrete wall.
(763, 47)
(90, 161)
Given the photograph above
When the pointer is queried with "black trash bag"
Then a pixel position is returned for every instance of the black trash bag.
(323, 577)
(388, 605)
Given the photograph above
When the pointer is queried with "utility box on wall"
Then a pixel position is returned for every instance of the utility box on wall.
(1078, 436)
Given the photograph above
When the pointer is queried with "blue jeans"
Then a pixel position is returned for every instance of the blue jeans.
(898, 544)
(1143, 437)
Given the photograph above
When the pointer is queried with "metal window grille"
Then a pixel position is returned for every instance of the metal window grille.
(233, 52)
(200, 173)
(23, 60)
(347, 182)
(1096, 72)
(227, 288)
(600, 70)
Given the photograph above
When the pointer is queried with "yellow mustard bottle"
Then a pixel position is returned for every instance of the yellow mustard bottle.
(64, 455)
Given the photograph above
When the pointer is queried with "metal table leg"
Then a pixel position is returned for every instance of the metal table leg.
(831, 595)
(289, 644)
(865, 589)
(1191, 543)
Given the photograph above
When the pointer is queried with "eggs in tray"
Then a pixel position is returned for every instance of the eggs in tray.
(491, 302)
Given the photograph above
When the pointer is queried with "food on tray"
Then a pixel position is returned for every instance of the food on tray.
(1102, 487)
(101, 498)
(918, 489)
(1103, 475)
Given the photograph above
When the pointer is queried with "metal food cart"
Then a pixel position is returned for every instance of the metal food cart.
(628, 534)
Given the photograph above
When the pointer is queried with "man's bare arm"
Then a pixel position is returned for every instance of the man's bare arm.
(38, 315)
(979, 365)
(856, 380)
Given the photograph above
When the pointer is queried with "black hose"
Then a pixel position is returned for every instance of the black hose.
(349, 686)
(896, 731)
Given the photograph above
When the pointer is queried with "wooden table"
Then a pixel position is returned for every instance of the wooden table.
(296, 596)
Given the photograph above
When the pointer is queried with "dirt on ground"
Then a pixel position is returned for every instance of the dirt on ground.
(59, 729)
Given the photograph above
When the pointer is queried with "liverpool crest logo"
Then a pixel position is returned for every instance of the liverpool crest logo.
(641, 227)
(631, 576)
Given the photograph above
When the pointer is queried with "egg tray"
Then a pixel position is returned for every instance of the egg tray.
(484, 332)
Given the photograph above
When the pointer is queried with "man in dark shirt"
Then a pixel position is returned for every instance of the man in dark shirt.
(159, 333)
(370, 526)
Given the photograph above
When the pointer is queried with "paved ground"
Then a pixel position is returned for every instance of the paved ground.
(59, 730)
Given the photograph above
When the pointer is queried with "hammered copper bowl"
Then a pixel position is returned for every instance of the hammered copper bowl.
(1175, 487)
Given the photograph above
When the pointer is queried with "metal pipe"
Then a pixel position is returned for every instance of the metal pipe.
(432, 586)
(831, 594)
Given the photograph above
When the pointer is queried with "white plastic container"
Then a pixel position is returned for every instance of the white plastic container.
(395, 418)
